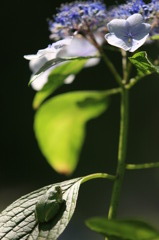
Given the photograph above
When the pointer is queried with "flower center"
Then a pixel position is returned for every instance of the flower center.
(130, 37)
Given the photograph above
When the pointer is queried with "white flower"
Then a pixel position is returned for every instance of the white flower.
(69, 47)
(43, 56)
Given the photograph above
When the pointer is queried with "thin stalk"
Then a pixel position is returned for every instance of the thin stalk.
(112, 91)
(111, 68)
(127, 67)
(124, 65)
(121, 156)
(109, 64)
(98, 175)
(142, 166)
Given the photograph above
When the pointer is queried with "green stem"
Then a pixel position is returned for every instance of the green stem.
(106, 59)
(98, 175)
(121, 155)
(142, 166)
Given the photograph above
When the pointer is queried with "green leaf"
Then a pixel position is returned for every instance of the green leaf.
(18, 220)
(123, 229)
(60, 126)
(143, 64)
(57, 78)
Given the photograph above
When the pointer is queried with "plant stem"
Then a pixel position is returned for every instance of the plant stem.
(111, 68)
(98, 175)
(121, 155)
(142, 166)
(106, 59)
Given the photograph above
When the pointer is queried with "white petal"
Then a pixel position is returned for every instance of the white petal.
(137, 43)
(36, 63)
(30, 57)
(92, 62)
(41, 80)
(79, 47)
(51, 51)
(117, 42)
(62, 43)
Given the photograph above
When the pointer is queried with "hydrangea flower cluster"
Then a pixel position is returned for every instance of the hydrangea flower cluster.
(78, 17)
(87, 22)
(130, 7)
(92, 16)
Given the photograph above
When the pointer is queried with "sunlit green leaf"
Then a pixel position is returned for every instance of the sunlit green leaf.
(57, 78)
(60, 126)
(18, 221)
(123, 229)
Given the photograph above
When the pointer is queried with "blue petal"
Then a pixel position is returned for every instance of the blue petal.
(137, 27)
(141, 31)
(118, 27)
(135, 20)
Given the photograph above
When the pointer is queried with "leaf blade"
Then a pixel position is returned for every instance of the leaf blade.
(143, 64)
(60, 126)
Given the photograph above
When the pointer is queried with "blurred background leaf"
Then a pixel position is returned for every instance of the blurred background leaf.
(123, 229)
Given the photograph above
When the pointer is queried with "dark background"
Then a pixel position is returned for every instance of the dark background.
(23, 169)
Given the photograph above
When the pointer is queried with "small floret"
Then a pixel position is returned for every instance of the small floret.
(129, 34)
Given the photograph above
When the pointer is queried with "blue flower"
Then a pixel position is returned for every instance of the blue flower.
(78, 17)
(128, 34)
(149, 11)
